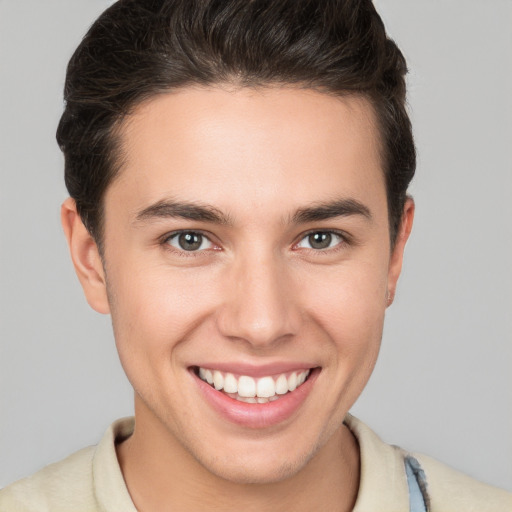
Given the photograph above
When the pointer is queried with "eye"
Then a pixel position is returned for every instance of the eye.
(320, 240)
(190, 241)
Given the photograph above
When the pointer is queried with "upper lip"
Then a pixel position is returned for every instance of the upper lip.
(256, 370)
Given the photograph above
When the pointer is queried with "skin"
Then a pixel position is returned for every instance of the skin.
(256, 292)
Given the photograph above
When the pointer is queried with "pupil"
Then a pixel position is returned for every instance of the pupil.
(190, 241)
(320, 240)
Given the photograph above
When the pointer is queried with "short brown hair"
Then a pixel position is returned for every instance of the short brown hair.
(139, 48)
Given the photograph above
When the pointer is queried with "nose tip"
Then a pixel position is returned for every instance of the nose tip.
(260, 307)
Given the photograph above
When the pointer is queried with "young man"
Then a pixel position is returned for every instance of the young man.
(238, 174)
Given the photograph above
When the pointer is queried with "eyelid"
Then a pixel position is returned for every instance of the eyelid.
(345, 239)
(164, 241)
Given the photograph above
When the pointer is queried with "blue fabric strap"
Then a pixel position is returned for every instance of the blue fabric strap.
(417, 482)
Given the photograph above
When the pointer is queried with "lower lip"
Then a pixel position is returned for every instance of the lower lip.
(257, 416)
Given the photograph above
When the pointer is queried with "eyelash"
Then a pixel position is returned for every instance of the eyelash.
(343, 242)
(165, 241)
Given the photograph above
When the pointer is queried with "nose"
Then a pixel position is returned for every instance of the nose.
(260, 304)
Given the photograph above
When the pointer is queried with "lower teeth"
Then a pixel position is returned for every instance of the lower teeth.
(253, 399)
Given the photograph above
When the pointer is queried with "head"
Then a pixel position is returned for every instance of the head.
(238, 173)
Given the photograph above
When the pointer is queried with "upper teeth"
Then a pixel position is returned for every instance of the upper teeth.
(248, 387)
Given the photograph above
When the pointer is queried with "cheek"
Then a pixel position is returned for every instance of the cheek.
(157, 312)
(349, 302)
(355, 330)
(350, 309)
(152, 311)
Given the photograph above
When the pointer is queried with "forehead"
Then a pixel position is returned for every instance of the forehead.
(249, 147)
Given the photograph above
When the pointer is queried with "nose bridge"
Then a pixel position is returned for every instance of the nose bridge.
(260, 306)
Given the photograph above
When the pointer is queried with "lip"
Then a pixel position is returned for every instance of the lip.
(256, 371)
(257, 416)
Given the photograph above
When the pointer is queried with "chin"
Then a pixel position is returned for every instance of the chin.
(259, 463)
(264, 471)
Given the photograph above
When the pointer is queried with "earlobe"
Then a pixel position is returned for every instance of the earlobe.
(397, 255)
(86, 257)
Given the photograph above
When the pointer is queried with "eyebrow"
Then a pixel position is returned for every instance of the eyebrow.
(207, 213)
(183, 210)
(331, 209)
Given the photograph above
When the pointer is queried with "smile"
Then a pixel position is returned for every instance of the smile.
(257, 397)
(247, 389)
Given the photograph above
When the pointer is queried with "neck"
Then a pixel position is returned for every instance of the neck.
(158, 470)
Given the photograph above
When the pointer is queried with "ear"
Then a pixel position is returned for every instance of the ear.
(397, 255)
(86, 257)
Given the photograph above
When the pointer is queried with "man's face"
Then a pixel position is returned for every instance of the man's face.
(247, 238)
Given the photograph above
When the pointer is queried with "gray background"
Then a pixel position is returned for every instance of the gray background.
(443, 384)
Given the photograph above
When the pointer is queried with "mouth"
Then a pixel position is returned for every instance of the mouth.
(252, 390)
(256, 398)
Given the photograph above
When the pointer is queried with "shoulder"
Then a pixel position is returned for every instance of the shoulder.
(90, 480)
(57, 487)
(450, 490)
(384, 482)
